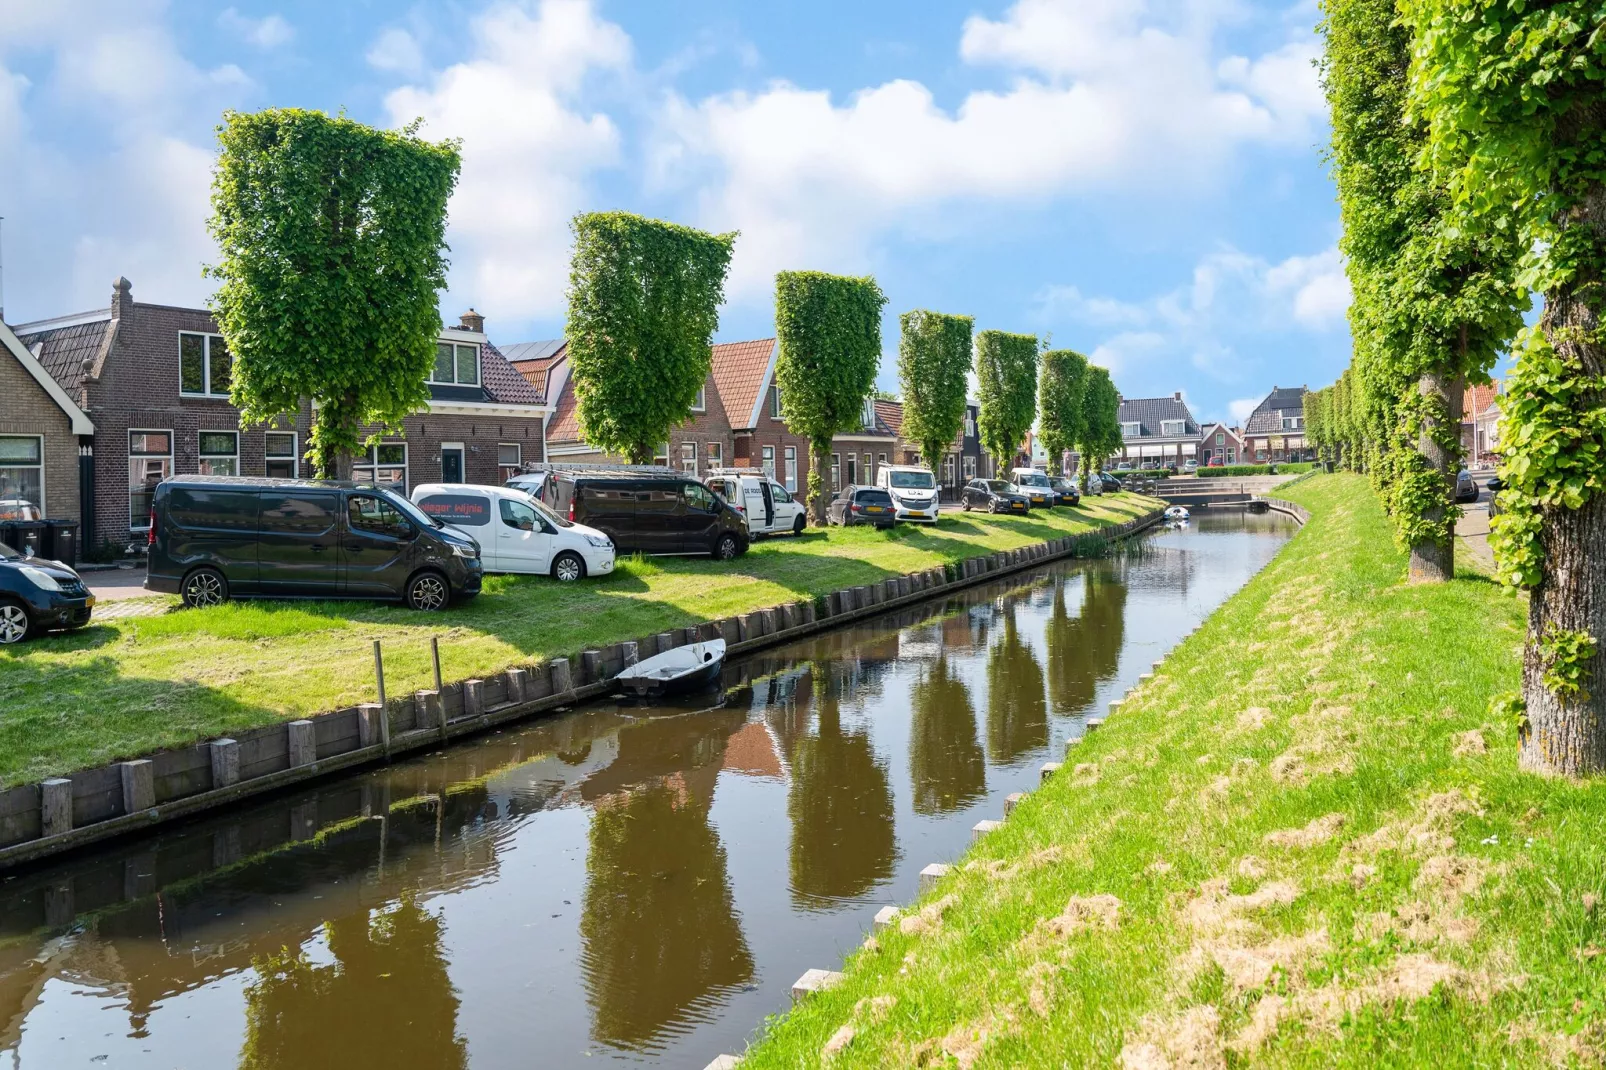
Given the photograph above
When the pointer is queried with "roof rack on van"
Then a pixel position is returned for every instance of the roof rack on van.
(733, 471)
(613, 469)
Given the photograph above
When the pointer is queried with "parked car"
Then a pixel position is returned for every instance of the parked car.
(37, 595)
(650, 512)
(1466, 489)
(1190, 465)
(1110, 483)
(213, 538)
(913, 490)
(1092, 483)
(1034, 485)
(1216, 462)
(862, 505)
(993, 496)
(768, 507)
(1065, 491)
(516, 533)
(531, 483)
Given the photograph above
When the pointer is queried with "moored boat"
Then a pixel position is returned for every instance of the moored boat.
(685, 668)
(1177, 512)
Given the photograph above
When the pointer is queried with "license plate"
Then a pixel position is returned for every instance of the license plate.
(916, 512)
(872, 509)
(1019, 505)
(89, 603)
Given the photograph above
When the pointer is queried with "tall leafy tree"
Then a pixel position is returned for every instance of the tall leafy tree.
(934, 352)
(332, 240)
(1101, 419)
(829, 328)
(1006, 386)
(1434, 302)
(644, 299)
(1061, 385)
(1513, 97)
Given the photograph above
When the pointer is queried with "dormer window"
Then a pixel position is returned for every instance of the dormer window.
(205, 365)
(869, 414)
(1291, 423)
(700, 402)
(456, 364)
(1173, 427)
(775, 403)
(1131, 429)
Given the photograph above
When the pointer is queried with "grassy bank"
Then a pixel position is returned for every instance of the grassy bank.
(129, 687)
(1303, 843)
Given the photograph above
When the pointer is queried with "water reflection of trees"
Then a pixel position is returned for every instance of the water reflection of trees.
(945, 758)
(840, 802)
(1017, 715)
(387, 991)
(658, 924)
(1084, 650)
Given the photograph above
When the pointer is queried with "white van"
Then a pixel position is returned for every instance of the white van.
(913, 490)
(768, 507)
(1034, 484)
(516, 533)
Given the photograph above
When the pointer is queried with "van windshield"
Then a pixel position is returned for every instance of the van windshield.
(1032, 479)
(912, 480)
(541, 507)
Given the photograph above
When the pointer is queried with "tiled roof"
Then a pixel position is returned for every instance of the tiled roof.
(1287, 400)
(564, 423)
(502, 382)
(63, 350)
(1149, 413)
(1210, 429)
(891, 414)
(739, 369)
(534, 359)
(1478, 399)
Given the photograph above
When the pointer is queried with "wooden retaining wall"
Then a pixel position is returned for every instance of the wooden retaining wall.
(92, 805)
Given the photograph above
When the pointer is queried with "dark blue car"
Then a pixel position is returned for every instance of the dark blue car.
(38, 595)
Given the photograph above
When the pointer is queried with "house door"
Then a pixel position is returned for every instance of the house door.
(451, 462)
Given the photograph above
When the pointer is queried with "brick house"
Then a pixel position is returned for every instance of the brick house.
(1220, 440)
(155, 378)
(856, 454)
(1157, 431)
(1275, 431)
(1480, 425)
(41, 430)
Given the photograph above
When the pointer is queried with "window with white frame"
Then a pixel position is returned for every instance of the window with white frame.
(279, 452)
(22, 477)
(768, 455)
(384, 465)
(1173, 427)
(716, 454)
(970, 468)
(836, 472)
(869, 414)
(700, 403)
(775, 403)
(688, 458)
(851, 473)
(660, 456)
(1292, 423)
(150, 460)
(456, 364)
(205, 366)
(970, 425)
(1221, 437)
(219, 453)
(1131, 429)
(791, 469)
(509, 460)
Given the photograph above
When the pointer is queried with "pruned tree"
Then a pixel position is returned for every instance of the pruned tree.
(644, 299)
(1061, 385)
(1006, 386)
(1101, 419)
(934, 356)
(829, 327)
(1516, 117)
(1434, 301)
(331, 239)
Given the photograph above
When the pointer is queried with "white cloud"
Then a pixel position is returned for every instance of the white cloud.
(1240, 408)
(270, 31)
(1105, 94)
(1318, 283)
(396, 50)
(528, 149)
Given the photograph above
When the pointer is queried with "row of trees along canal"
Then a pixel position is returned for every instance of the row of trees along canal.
(1469, 150)
(332, 242)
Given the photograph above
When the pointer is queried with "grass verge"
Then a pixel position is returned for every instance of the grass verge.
(1304, 842)
(128, 687)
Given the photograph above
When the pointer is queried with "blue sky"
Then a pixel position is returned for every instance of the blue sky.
(1140, 179)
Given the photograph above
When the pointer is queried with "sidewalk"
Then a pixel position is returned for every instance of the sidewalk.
(121, 593)
(1472, 529)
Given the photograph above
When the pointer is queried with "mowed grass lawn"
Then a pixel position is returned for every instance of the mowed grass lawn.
(1304, 843)
(125, 688)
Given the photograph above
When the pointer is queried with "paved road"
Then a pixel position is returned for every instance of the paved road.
(1473, 527)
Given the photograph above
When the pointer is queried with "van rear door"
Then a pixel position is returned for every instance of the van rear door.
(215, 525)
(298, 548)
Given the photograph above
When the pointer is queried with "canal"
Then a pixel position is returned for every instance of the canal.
(612, 883)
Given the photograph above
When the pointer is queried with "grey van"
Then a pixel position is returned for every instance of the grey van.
(218, 537)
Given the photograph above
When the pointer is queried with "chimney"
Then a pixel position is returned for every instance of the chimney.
(472, 321)
(1178, 395)
(122, 298)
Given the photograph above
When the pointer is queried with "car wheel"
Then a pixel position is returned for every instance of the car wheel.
(725, 548)
(798, 525)
(204, 588)
(428, 592)
(567, 567)
(14, 623)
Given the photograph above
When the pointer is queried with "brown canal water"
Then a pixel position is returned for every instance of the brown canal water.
(611, 884)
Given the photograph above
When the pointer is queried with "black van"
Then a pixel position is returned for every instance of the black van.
(649, 513)
(217, 537)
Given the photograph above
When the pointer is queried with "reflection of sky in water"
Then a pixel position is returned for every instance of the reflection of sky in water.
(612, 882)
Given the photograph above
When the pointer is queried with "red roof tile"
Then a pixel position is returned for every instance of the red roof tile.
(1478, 399)
(565, 423)
(738, 370)
(891, 414)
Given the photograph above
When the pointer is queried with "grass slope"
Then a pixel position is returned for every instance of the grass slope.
(128, 687)
(1303, 843)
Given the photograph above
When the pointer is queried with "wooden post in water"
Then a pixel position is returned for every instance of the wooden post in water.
(384, 707)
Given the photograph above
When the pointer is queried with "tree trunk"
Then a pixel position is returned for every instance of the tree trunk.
(1434, 562)
(820, 482)
(1568, 735)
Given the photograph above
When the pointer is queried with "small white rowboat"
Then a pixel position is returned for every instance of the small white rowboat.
(1177, 512)
(685, 668)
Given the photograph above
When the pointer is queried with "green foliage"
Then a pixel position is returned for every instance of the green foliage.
(1060, 388)
(1509, 708)
(829, 328)
(934, 354)
(1101, 418)
(644, 300)
(1565, 654)
(1006, 375)
(331, 237)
